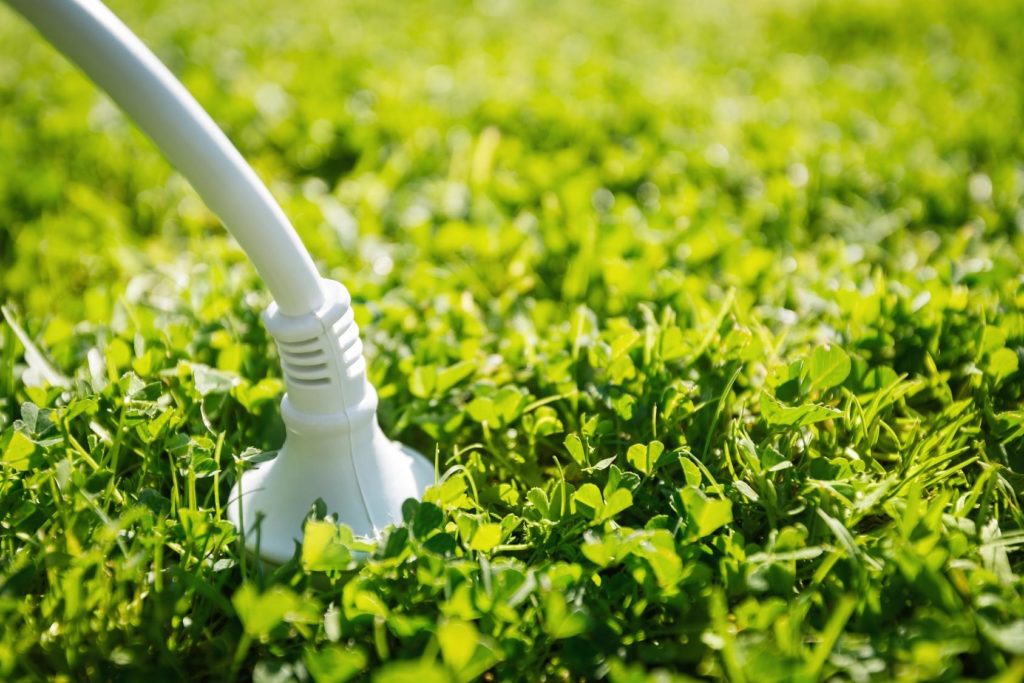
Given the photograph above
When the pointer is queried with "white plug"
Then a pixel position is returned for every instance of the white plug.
(334, 449)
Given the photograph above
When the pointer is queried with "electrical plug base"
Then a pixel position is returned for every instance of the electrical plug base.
(334, 448)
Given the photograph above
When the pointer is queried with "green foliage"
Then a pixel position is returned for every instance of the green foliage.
(712, 314)
(828, 367)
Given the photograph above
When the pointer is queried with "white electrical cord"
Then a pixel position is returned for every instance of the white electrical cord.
(93, 38)
(334, 450)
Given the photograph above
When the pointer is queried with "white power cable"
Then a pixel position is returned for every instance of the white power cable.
(93, 38)
(334, 449)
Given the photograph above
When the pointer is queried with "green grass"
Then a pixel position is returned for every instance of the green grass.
(712, 314)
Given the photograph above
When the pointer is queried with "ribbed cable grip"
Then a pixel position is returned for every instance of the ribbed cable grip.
(322, 361)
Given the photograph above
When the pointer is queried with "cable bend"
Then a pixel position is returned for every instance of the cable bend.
(95, 40)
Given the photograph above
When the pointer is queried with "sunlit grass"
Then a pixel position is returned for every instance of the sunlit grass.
(712, 314)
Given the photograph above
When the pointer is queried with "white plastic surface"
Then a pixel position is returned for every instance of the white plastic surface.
(362, 477)
(334, 449)
(109, 53)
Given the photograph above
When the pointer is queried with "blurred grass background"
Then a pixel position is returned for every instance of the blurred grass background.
(638, 218)
(712, 138)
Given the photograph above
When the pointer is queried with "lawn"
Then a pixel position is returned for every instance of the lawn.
(711, 313)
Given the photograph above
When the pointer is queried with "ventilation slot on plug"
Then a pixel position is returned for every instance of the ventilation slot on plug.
(304, 363)
(302, 369)
(300, 346)
(313, 374)
(298, 355)
(309, 382)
